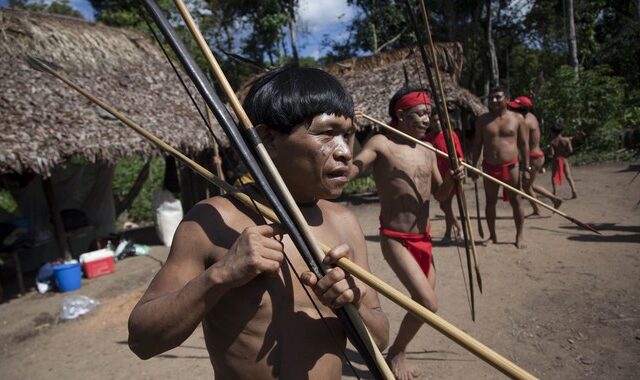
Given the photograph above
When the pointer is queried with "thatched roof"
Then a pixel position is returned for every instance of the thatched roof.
(44, 122)
(373, 80)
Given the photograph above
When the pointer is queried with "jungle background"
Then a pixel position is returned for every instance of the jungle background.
(576, 59)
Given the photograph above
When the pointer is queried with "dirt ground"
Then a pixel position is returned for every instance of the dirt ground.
(566, 307)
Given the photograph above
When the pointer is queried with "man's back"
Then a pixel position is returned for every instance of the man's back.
(534, 132)
(403, 175)
(561, 146)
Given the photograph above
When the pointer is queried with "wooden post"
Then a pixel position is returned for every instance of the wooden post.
(61, 235)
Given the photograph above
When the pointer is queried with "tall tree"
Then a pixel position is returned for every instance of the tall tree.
(493, 58)
(571, 36)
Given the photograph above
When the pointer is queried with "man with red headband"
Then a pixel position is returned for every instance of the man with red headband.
(501, 133)
(406, 175)
(523, 105)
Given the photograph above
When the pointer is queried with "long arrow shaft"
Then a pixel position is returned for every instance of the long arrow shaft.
(273, 188)
(451, 148)
(483, 174)
(483, 352)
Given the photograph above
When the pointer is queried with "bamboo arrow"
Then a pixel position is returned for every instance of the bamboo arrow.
(483, 174)
(460, 337)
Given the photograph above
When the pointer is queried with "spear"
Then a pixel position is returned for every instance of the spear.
(483, 174)
(460, 337)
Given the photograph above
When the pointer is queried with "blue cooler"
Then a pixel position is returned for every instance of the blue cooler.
(68, 277)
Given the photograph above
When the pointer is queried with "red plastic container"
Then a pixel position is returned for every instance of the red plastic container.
(99, 267)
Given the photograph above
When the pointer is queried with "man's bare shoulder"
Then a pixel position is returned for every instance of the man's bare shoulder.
(215, 220)
(485, 118)
(377, 141)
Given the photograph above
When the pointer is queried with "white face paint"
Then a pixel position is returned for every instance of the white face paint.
(315, 161)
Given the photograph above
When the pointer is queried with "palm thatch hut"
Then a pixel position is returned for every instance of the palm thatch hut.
(374, 79)
(45, 124)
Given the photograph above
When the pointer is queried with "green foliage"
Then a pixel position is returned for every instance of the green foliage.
(594, 103)
(60, 7)
(7, 203)
(125, 174)
(360, 185)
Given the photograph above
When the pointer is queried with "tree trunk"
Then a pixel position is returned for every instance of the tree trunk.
(493, 58)
(571, 35)
(294, 39)
(374, 36)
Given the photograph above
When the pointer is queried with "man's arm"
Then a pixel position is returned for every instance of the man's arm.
(366, 157)
(183, 291)
(338, 288)
(523, 141)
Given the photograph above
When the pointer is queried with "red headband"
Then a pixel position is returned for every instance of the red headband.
(412, 99)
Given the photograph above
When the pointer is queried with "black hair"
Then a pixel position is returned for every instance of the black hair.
(502, 89)
(557, 127)
(290, 95)
(399, 94)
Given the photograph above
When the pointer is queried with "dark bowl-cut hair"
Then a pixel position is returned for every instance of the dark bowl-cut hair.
(290, 95)
(399, 94)
(502, 89)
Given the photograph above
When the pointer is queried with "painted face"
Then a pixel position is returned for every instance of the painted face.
(435, 124)
(497, 101)
(314, 162)
(415, 120)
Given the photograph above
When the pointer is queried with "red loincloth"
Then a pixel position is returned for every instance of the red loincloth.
(501, 172)
(419, 245)
(558, 176)
(533, 156)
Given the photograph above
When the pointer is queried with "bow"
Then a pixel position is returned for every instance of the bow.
(273, 188)
(441, 108)
(427, 316)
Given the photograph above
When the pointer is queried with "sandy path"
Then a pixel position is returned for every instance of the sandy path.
(566, 307)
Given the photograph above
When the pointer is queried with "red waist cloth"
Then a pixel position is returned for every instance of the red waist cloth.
(501, 172)
(558, 176)
(533, 156)
(419, 245)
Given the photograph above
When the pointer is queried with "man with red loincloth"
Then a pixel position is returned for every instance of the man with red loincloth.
(500, 133)
(435, 136)
(523, 105)
(406, 175)
(561, 149)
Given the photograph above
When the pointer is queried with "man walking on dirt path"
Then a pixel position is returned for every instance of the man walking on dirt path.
(406, 175)
(523, 105)
(227, 271)
(501, 135)
(561, 148)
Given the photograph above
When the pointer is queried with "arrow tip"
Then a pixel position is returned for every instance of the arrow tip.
(40, 64)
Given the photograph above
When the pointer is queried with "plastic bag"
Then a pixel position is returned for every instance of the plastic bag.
(76, 305)
(168, 214)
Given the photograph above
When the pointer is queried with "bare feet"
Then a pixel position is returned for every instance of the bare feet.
(574, 195)
(534, 213)
(520, 242)
(400, 367)
(557, 202)
(491, 240)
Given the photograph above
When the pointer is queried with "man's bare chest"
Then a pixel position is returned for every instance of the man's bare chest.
(503, 128)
